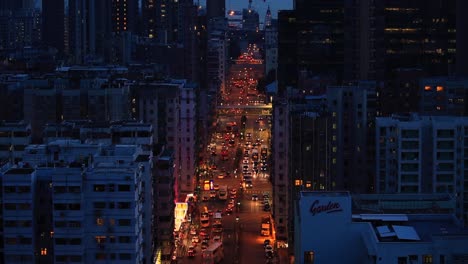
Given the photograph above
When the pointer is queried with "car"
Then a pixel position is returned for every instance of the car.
(216, 187)
(195, 239)
(216, 239)
(232, 196)
(210, 212)
(193, 231)
(205, 199)
(266, 242)
(228, 211)
(254, 197)
(220, 176)
(269, 256)
(248, 184)
(212, 194)
(266, 196)
(268, 248)
(204, 245)
(233, 191)
(245, 161)
(191, 249)
(266, 207)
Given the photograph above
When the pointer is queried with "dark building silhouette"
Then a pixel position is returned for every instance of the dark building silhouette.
(462, 38)
(215, 8)
(14, 5)
(287, 56)
(356, 40)
(53, 24)
(419, 34)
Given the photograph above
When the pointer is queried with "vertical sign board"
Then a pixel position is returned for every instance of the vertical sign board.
(325, 221)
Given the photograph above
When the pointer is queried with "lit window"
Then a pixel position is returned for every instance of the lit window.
(334, 161)
(99, 221)
(334, 126)
(308, 185)
(309, 257)
(298, 182)
(334, 149)
(440, 89)
(427, 88)
(43, 251)
(100, 239)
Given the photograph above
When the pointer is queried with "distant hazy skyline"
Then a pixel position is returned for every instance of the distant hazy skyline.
(260, 6)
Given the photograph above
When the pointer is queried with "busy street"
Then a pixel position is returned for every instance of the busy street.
(232, 220)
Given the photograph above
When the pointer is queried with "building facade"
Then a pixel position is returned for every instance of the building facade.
(330, 222)
(423, 154)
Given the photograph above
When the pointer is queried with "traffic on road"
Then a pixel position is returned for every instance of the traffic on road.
(233, 222)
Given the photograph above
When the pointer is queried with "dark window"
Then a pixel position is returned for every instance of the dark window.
(124, 239)
(99, 205)
(124, 222)
(124, 188)
(125, 256)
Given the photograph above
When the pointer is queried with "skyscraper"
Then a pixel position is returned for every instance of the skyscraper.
(215, 8)
(89, 29)
(462, 38)
(14, 5)
(53, 24)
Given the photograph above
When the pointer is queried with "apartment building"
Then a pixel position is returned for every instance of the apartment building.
(14, 137)
(423, 154)
(443, 96)
(95, 204)
(280, 176)
(164, 196)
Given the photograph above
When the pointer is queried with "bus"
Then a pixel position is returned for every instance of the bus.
(213, 254)
(222, 193)
(266, 226)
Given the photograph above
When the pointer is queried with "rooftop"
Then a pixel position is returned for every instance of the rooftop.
(20, 171)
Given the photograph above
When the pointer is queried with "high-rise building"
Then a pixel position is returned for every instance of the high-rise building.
(215, 8)
(268, 18)
(282, 193)
(271, 48)
(443, 96)
(170, 106)
(14, 137)
(418, 34)
(53, 24)
(90, 29)
(164, 197)
(352, 110)
(250, 20)
(287, 55)
(423, 154)
(462, 38)
(19, 28)
(96, 204)
(14, 5)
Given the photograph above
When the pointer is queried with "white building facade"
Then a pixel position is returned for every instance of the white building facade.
(416, 154)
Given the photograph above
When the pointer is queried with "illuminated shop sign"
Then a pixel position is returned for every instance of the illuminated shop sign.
(331, 207)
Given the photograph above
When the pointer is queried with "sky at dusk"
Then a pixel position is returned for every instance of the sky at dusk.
(260, 6)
